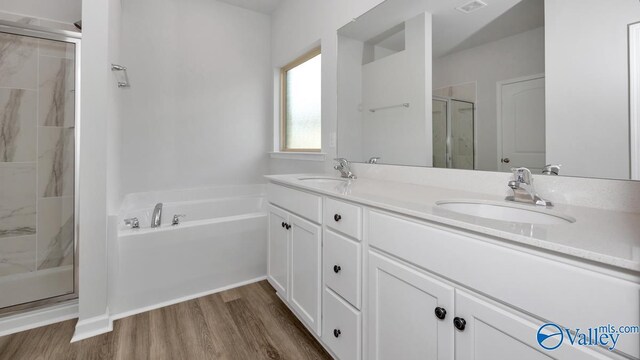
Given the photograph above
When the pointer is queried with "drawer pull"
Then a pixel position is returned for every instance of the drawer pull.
(336, 268)
(459, 323)
(287, 226)
(441, 313)
(337, 332)
(283, 224)
(337, 217)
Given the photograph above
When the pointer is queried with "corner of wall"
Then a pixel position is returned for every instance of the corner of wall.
(92, 327)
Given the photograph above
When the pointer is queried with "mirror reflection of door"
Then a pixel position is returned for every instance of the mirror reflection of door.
(521, 123)
(453, 133)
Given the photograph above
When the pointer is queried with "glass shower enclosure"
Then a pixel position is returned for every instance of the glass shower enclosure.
(38, 137)
(453, 124)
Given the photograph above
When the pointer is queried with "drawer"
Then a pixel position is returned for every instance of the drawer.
(341, 328)
(343, 217)
(342, 263)
(548, 289)
(299, 202)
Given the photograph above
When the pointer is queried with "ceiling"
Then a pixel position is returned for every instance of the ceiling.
(263, 6)
(452, 30)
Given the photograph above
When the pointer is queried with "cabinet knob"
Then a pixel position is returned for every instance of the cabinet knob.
(441, 313)
(287, 226)
(283, 224)
(337, 217)
(459, 323)
(336, 268)
(337, 332)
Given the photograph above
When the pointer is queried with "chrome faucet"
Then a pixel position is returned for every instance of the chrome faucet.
(156, 218)
(344, 166)
(374, 160)
(523, 189)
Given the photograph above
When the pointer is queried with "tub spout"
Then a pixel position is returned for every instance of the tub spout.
(156, 218)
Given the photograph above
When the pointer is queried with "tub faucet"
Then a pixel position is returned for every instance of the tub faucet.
(156, 218)
(344, 166)
(523, 190)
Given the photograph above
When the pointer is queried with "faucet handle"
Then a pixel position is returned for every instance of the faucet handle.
(522, 175)
(342, 162)
(176, 219)
(551, 169)
(132, 223)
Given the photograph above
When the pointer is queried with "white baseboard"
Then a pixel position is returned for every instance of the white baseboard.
(184, 298)
(92, 327)
(37, 318)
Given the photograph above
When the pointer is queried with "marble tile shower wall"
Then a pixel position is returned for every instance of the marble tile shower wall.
(37, 139)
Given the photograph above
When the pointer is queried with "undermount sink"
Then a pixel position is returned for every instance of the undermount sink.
(323, 180)
(505, 212)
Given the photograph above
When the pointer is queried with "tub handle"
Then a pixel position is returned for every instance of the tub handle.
(132, 223)
(176, 219)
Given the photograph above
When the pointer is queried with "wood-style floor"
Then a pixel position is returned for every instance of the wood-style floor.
(249, 322)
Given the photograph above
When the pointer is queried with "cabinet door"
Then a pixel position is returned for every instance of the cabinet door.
(402, 323)
(492, 332)
(305, 271)
(278, 265)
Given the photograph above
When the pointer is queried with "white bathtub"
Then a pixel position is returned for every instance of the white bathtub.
(221, 243)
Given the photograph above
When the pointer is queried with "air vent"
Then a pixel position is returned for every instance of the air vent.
(471, 6)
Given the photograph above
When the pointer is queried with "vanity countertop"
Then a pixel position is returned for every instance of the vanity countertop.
(603, 236)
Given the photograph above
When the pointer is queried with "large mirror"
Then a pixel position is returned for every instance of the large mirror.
(493, 84)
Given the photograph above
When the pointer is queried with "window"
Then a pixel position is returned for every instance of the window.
(300, 125)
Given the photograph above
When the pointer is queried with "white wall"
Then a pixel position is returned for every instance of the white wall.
(68, 11)
(587, 89)
(516, 56)
(197, 112)
(97, 109)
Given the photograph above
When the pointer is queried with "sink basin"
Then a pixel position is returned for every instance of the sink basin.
(505, 212)
(323, 180)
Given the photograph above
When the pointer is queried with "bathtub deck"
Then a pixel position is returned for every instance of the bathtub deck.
(249, 322)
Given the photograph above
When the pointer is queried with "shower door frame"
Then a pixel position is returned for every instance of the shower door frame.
(40, 32)
(449, 151)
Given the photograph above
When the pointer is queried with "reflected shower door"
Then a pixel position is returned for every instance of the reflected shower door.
(37, 169)
(462, 139)
(440, 157)
(453, 133)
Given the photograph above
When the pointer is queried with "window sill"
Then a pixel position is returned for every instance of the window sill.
(306, 156)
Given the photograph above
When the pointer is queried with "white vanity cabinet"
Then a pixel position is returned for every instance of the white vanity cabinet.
(495, 332)
(392, 286)
(342, 272)
(294, 252)
(278, 250)
(409, 312)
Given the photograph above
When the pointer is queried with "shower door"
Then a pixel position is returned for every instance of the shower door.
(37, 165)
(453, 133)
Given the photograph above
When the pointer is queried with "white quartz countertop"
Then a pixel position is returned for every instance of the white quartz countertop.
(603, 236)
